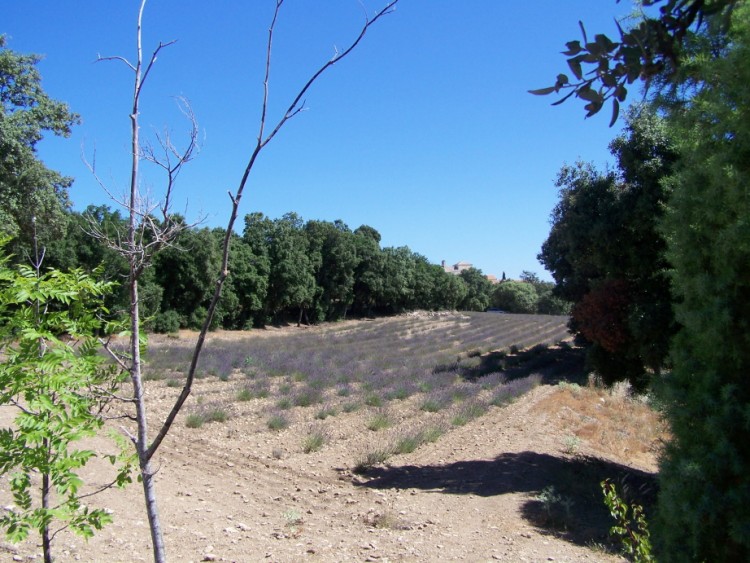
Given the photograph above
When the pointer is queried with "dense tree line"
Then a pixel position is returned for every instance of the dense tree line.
(281, 270)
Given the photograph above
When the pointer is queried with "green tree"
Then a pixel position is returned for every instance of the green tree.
(79, 249)
(368, 281)
(434, 289)
(28, 189)
(291, 283)
(450, 290)
(243, 303)
(515, 297)
(607, 253)
(397, 274)
(704, 502)
(254, 292)
(53, 376)
(333, 254)
(185, 271)
(478, 290)
(548, 303)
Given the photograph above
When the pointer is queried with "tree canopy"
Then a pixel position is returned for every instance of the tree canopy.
(607, 254)
(28, 189)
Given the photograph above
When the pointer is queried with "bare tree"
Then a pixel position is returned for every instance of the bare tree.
(145, 235)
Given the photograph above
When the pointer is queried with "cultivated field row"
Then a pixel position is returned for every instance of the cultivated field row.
(381, 387)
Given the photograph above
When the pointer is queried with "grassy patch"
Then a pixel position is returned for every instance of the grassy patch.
(379, 421)
(277, 422)
(315, 439)
(195, 420)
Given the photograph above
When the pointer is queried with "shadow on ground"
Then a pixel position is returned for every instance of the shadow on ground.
(564, 495)
(553, 364)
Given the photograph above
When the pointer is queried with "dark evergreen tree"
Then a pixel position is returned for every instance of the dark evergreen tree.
(704, 504)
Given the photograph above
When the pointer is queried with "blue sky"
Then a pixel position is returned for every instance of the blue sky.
(426, 132)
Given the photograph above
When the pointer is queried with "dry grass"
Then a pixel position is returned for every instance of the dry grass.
(607, 422)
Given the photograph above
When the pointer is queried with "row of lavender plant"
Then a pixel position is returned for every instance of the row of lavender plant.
(379, 361)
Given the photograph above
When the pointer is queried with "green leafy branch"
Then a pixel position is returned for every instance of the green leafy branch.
(631, 529)
(59, 383)
(603, 68)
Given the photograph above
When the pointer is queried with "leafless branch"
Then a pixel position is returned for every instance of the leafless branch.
(99, 58)
(172, 160)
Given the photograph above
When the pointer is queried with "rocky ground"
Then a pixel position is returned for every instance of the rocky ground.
(517, 484)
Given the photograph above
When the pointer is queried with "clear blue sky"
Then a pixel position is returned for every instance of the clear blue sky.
(426, 132)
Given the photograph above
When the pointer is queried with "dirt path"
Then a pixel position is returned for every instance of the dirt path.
(228, 493)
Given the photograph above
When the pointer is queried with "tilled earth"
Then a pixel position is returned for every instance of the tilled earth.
(516, 484)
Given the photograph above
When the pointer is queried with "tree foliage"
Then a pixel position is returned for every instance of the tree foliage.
(607, 253)
(28, 188)
(704, 505)
(478, 290)
(515, 297)
(54, 378)
(654, 47)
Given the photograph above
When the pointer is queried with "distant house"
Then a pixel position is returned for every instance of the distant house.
(459, 267)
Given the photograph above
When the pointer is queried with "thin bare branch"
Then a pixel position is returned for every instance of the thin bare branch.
(99, 58)
(293, 110)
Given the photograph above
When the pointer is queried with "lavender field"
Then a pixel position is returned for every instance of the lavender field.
(416, 375)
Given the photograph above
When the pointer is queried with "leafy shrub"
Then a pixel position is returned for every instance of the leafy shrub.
(469, 412)
(557, 508)
(307, 397)
(245, 394)
(325, 412)
(371, 458)
(217, 415)
(430, 404)
(509, 392)
(380, 421)
(373, 400)
(632, 530)
(400, 393)
(284, 403)
(166, 322)
(315, 440)
(350, 407)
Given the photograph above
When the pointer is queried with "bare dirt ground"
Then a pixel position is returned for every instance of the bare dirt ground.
(235, 491)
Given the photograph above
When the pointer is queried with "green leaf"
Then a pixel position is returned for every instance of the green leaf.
(543, 91)
(575, 66)
(574, 47)
(615, 112)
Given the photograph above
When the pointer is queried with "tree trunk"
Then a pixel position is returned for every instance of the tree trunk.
(152, 508)
(46, 541)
